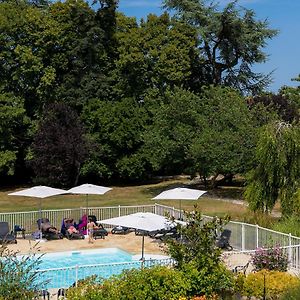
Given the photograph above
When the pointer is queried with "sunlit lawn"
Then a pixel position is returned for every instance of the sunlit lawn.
(130, 195)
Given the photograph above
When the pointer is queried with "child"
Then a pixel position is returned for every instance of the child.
(90, 228)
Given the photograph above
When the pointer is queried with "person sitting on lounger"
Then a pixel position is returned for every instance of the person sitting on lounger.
(47, 227)
(72, 229)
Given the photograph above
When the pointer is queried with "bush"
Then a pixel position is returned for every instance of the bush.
(291, 294)
(157, 283)
(18, 276)
(288, 225)
(270, 259)
(208, 281)
(275, 283)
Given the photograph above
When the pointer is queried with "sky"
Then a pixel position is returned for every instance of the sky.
(283, 50)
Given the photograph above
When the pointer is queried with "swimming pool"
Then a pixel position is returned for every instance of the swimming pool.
(62, 269)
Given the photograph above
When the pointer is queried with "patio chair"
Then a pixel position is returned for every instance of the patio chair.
(48, 231)
(241, 268)
(82, 224)
(100, 232)
(223, 241)
(5, 235)
(69, 230)
(120, 230)
(164, 234)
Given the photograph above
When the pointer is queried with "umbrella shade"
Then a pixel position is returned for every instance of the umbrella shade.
(180, 194)
(142, 221)
(89, 189)
(39, 192)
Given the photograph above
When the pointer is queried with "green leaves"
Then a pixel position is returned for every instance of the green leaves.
(277, 173)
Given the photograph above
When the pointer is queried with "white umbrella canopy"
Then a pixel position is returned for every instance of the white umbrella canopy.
(89, 189)
(180, 194)
(40, 192)
(142, 221)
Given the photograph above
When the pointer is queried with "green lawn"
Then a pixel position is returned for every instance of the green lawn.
(129, 195)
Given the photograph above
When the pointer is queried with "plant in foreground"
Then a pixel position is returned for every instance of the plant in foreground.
(270, 259)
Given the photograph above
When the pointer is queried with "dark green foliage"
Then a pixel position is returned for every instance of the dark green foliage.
(13, 132)
(209, 134)
(59, 147)
(18, 276)
(116, 127)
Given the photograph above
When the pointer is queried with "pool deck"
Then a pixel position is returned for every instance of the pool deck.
(129, 242)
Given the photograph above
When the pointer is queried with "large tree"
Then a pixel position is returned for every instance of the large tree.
(230, 42)
(210, 134)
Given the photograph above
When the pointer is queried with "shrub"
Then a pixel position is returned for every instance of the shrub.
(157, 283)
(291, 294)
(275, 283)
(18, 276)
(288, 225)
(198, 257)
(209, 280)
(271, 259)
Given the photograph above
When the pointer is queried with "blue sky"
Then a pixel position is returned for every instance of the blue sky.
(283, 50)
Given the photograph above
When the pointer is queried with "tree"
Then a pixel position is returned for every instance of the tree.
(157, 53)
(116, 128)
(277, 172)
(13, 131)
(285, 108)
(230, 42)
(210, 134)
(198, 257)
(59, 147)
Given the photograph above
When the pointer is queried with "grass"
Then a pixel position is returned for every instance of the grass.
(130, 195)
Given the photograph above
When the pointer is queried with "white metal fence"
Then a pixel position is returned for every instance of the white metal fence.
(244, 237)
(70, 276)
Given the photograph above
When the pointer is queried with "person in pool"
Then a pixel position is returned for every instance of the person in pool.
(90, 228)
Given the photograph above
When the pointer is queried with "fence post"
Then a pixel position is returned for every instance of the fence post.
(119, 210)
(155, 208)
(76, 275)
(290, 248)
(257, 232)
(243, 237)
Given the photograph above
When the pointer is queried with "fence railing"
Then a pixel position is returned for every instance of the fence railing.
(70, 276)
(243, 236)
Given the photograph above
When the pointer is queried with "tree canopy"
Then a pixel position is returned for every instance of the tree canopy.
(160, 95)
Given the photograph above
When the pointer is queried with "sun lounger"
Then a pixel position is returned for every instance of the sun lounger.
(69, 229)
(48, 231)
(223, 241)
(120, 230)
(100, 232)
(5, 235)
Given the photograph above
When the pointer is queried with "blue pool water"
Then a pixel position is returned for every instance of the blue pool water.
(85, 257)
(81, 264)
